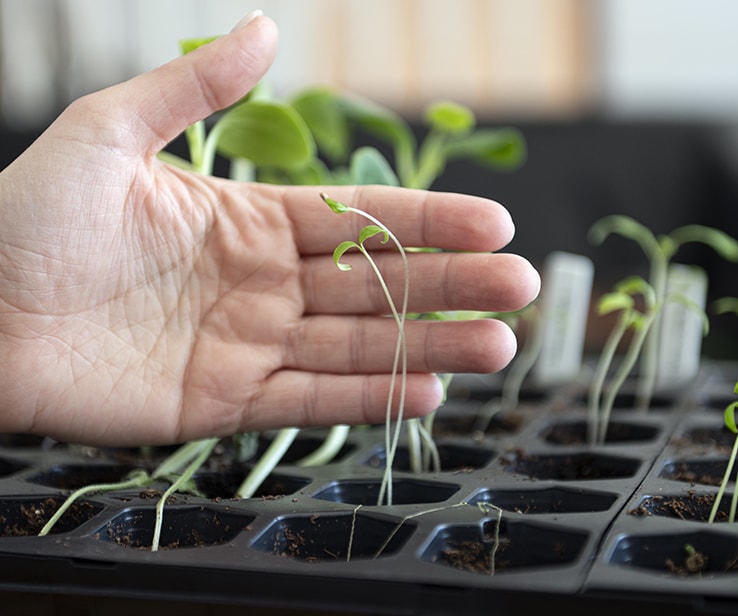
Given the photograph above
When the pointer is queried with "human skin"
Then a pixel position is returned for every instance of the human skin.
(143, 304)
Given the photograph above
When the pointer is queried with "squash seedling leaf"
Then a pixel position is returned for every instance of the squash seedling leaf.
(266, 133)
(449, 117)
(323, 113)
(368, 166)
(503, 148)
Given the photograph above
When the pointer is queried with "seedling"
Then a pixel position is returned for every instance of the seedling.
(640, 322)
(724, 305)
(399, 315)
(659, 251)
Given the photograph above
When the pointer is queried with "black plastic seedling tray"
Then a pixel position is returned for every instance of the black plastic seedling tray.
(586, 529)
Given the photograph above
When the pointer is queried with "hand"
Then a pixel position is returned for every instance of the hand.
(142, 304)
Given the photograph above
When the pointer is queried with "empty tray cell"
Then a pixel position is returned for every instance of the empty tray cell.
(26, 516)
(345, 536)
(574, 466)
(575, 433)
(475, 425)
(225, 484)
(404, 491)
(9, 467)
(718, 437)
(546, 500)
(183, 527)
(488, 392)
(696, 553)
(496, 547)
(690, 506)
(76, 476)
(705, 472)
(452, 458)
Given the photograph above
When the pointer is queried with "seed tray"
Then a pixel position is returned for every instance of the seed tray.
(524, 516)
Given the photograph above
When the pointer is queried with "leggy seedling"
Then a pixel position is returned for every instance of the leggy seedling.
(659, 251)
(398, 314)
(640, 322)
(725, 305)
(730, 423)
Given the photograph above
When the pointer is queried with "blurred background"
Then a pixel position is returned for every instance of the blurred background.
(628, 106)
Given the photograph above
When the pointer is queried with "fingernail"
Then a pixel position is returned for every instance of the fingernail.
(245, 21)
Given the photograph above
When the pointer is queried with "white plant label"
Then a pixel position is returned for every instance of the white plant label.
(681, 327)
(566, 290)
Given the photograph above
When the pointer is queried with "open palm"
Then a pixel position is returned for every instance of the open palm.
(143, 304)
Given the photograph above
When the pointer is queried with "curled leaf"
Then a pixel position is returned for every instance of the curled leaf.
(729, 416)
(340, 250)
(611, 302)
(371, 231)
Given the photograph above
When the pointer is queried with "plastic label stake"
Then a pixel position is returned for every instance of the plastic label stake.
(565, 298)
(681, 328)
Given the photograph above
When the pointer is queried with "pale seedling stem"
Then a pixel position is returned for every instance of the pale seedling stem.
(400, 356)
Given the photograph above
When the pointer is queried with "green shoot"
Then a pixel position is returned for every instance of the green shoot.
(730, 423)
(621, 299)
(724, 305)
(399, 315)
(659, 251)
(640, 322)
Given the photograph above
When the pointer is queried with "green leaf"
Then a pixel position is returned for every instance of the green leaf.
(634, 285)
(499, 148)
(340, 250)
(611, 302)
(368, 166)
(627, 227)
(324, 115)
(722, 243)
(726, 304)
(378, 121)
(371, 231)
(449, 117)
(266, 133)
(188, 45)
(729, 415)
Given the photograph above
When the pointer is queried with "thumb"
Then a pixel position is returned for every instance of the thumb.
(190, 88)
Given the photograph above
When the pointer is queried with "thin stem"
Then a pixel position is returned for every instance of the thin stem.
(631, 357)
(269, 459)
(647, 381)
(205, 449)
(329, 448)
(138, 480)
(723, 484)
(598, 381)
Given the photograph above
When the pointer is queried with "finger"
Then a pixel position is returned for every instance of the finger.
(192, 87)
(303, 399)
(418, 218)
(438, 281)
(366, 345)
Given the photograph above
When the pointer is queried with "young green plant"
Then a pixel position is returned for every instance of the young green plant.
(659, 250)
(728, 305)
(640, 323)
(399, 363)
